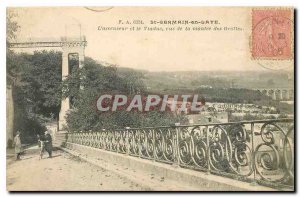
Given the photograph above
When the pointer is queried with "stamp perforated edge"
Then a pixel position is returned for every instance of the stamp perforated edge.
(292, 34)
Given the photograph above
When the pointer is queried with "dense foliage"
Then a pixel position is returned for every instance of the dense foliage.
(96, 79)
(231, 95)
(34, 80)
(36, 90)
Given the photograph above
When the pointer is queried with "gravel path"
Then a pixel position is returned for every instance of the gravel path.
(63, 172)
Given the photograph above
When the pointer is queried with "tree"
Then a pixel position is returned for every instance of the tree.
(41, 82)
(36, 90)
(97, 79)
(11, 30)
(11, 74)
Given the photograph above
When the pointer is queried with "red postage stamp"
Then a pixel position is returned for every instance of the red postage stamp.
(272, 32)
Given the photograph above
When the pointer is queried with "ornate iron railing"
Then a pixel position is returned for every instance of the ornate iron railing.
(255, 151)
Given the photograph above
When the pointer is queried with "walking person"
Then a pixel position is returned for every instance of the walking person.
(18, 145)
(48, 143)
(38, 137)
(41, 145)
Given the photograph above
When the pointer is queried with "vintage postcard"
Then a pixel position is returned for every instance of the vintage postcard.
(150, 99)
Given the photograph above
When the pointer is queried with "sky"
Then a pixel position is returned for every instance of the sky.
(150, 50)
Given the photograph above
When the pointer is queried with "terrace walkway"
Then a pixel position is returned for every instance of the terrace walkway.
(62, 172)
(248, 155)
(65, 172)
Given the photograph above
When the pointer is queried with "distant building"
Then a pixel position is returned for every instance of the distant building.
(238, 108)
(205, 86)
(179, 103)
(206, 118)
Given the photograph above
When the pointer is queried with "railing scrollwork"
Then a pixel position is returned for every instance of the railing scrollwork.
(255, 151)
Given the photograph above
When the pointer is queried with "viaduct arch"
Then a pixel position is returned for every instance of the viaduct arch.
(285, 94)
